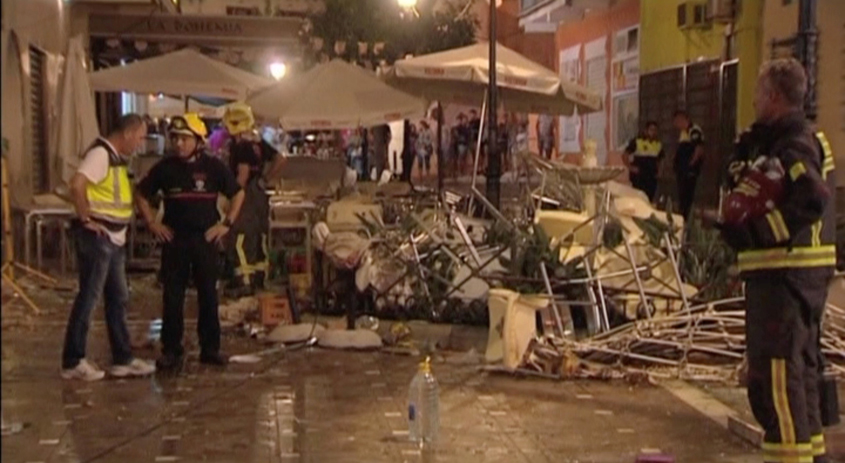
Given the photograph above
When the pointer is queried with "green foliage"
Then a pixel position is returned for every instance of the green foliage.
(706, 262)
(402, 32)
(529, 249)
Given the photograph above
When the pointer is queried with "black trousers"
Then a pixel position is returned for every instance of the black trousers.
(246, 249)
(686, 183)
(783, 318)
(646, 179)
(187, 255)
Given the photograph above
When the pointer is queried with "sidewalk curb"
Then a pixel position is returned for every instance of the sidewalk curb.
(731, 420)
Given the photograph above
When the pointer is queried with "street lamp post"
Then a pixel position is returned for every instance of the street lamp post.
(494, 160)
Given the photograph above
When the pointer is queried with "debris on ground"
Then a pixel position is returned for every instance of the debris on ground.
(349, 339)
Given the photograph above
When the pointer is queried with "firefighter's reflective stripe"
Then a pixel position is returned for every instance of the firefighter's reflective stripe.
(798, 169)
(787, 453)
(817, 443)
(797, 257)
(781, 401)
(111, 198)
(828, 164)
(816, 234)
(778, 226)
(648, 148)
(243, 268)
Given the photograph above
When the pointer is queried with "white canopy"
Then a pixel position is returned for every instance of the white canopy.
(461, 76)
(333, 96)
(183, 72)
(77, 114)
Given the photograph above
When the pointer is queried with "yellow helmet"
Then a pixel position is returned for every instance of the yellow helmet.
(189, 124)
(238, 118)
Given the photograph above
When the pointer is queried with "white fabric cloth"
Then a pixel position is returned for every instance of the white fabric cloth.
(460, 76)
(349, 339)
(95, 167)
(183, 72)
(334, 96)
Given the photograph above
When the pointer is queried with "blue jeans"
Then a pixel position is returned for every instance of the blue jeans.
(102, 271)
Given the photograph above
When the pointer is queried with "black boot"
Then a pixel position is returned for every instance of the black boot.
(170, 363)
(215, 359)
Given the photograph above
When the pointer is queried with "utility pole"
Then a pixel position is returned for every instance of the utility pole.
(807, 50)
(494, 160)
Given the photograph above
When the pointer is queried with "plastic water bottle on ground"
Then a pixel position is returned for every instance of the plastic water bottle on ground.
(424, 406)
(154, 333)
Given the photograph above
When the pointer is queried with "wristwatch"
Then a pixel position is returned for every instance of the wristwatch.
(227, 222)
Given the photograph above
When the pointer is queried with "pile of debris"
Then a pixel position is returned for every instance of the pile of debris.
(706, 343)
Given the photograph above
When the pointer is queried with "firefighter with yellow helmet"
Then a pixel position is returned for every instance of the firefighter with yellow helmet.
(252, 160)
(191, 231)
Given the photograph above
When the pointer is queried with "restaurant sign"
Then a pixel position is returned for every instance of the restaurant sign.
(197, 28)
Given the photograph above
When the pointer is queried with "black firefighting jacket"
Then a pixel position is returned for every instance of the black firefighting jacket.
(801, 231)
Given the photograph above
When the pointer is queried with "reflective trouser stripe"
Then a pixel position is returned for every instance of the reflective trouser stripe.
(792, 453)
(243, 269)
(817, 442)
(781, 402)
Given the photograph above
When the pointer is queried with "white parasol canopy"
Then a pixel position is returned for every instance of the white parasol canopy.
(78, 114)
(183, 72)
(333, 96)
(461, 76)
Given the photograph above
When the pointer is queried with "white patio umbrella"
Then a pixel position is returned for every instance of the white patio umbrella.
(333, 96)
(184, 72)
(461, 76)
(78, 114)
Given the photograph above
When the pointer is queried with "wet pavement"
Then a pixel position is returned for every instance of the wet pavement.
(324, 406)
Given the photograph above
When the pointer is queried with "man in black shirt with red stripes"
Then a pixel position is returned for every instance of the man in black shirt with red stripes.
(191, 231)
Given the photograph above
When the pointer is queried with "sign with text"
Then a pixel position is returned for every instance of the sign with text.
(240, 30)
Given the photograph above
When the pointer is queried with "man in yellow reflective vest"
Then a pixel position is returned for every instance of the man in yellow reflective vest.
(786, 256)
(642, 158)
(249, 158)
(102, 197)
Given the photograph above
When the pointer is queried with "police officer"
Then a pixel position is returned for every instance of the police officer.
(191, 231)
(249, 155)
(689, 158)
(642, 158)
(786, 257)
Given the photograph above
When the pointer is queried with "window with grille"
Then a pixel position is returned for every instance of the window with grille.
(38, 108)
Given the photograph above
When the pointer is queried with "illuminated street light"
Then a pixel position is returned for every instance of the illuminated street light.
(278, 70)
(407, 3)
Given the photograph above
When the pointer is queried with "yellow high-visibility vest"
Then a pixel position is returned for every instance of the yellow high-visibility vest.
(648, 148)
(110, 200)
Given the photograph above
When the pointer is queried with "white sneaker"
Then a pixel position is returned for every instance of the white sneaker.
(85, 371)
(136, 367)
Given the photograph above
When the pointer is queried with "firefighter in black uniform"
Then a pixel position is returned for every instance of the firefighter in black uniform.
(786, 257)
(249, 155)
(689, 158)
(191, 231)
(642, 158)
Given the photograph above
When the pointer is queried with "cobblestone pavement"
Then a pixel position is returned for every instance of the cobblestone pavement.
(331, 406)
(321, 406)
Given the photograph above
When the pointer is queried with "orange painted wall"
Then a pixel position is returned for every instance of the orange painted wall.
(598, 24)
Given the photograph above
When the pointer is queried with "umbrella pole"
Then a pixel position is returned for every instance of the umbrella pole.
(186, 104)
(439, 150)
(481, 126)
